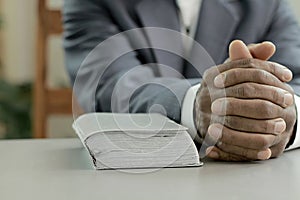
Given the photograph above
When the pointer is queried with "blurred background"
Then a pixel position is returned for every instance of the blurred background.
(21, 39)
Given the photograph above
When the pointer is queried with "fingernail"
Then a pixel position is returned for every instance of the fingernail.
(268, 42)
(287, 74)
(217, 107)
(288, 99)
(215, 132)
(220, 80)
(211, 153)
(264, 155)
(208, 150)
(280, 126)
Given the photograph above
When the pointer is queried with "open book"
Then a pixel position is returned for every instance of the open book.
(133, 141)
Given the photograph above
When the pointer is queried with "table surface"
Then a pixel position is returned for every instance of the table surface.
(61, 169)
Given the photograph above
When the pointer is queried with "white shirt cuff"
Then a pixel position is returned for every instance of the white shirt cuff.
(187, 110)
(296, 143)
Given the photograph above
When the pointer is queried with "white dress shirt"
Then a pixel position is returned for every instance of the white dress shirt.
(189, 10)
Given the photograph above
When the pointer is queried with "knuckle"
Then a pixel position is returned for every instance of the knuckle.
(263, 75)
(249, 89)
(276, 96)
(228, 105)
(245, 152)
(272, 68)
(228, 121)
(267, 109)
(266, 126)
(249, 62)
(206, 75)
(210, 73)
(252, 63)
(226, 157)
(264, 107)
(239, 91)
(262, 142)
(276, 140)
(278, 111)
(236, 158)
(221, 145)
(270, 126)
(234, 75)
(218, 119)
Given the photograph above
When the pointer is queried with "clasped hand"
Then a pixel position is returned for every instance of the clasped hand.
(244, 108)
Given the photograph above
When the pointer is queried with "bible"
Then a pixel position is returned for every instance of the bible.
(135, 141)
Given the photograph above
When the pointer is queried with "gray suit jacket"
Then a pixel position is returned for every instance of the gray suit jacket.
(87, 23)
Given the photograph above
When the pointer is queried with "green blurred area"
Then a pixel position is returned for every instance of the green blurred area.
(15, 108)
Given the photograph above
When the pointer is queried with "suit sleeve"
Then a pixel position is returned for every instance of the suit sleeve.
(284, 31)
(125, 85)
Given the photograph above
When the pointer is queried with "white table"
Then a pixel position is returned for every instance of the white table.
(61, 170)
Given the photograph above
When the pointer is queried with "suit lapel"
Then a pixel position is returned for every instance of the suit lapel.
(162, 14)
(217, 23)
(216, 26)
(159, 13)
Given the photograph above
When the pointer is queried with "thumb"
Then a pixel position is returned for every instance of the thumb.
(263, 51)
(238, 50)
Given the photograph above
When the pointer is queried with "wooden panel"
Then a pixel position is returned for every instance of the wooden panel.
(47, 101)
(59, 101)
(39, 121)
(54, 22)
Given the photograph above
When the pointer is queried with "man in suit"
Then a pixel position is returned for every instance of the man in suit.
(252, 106)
